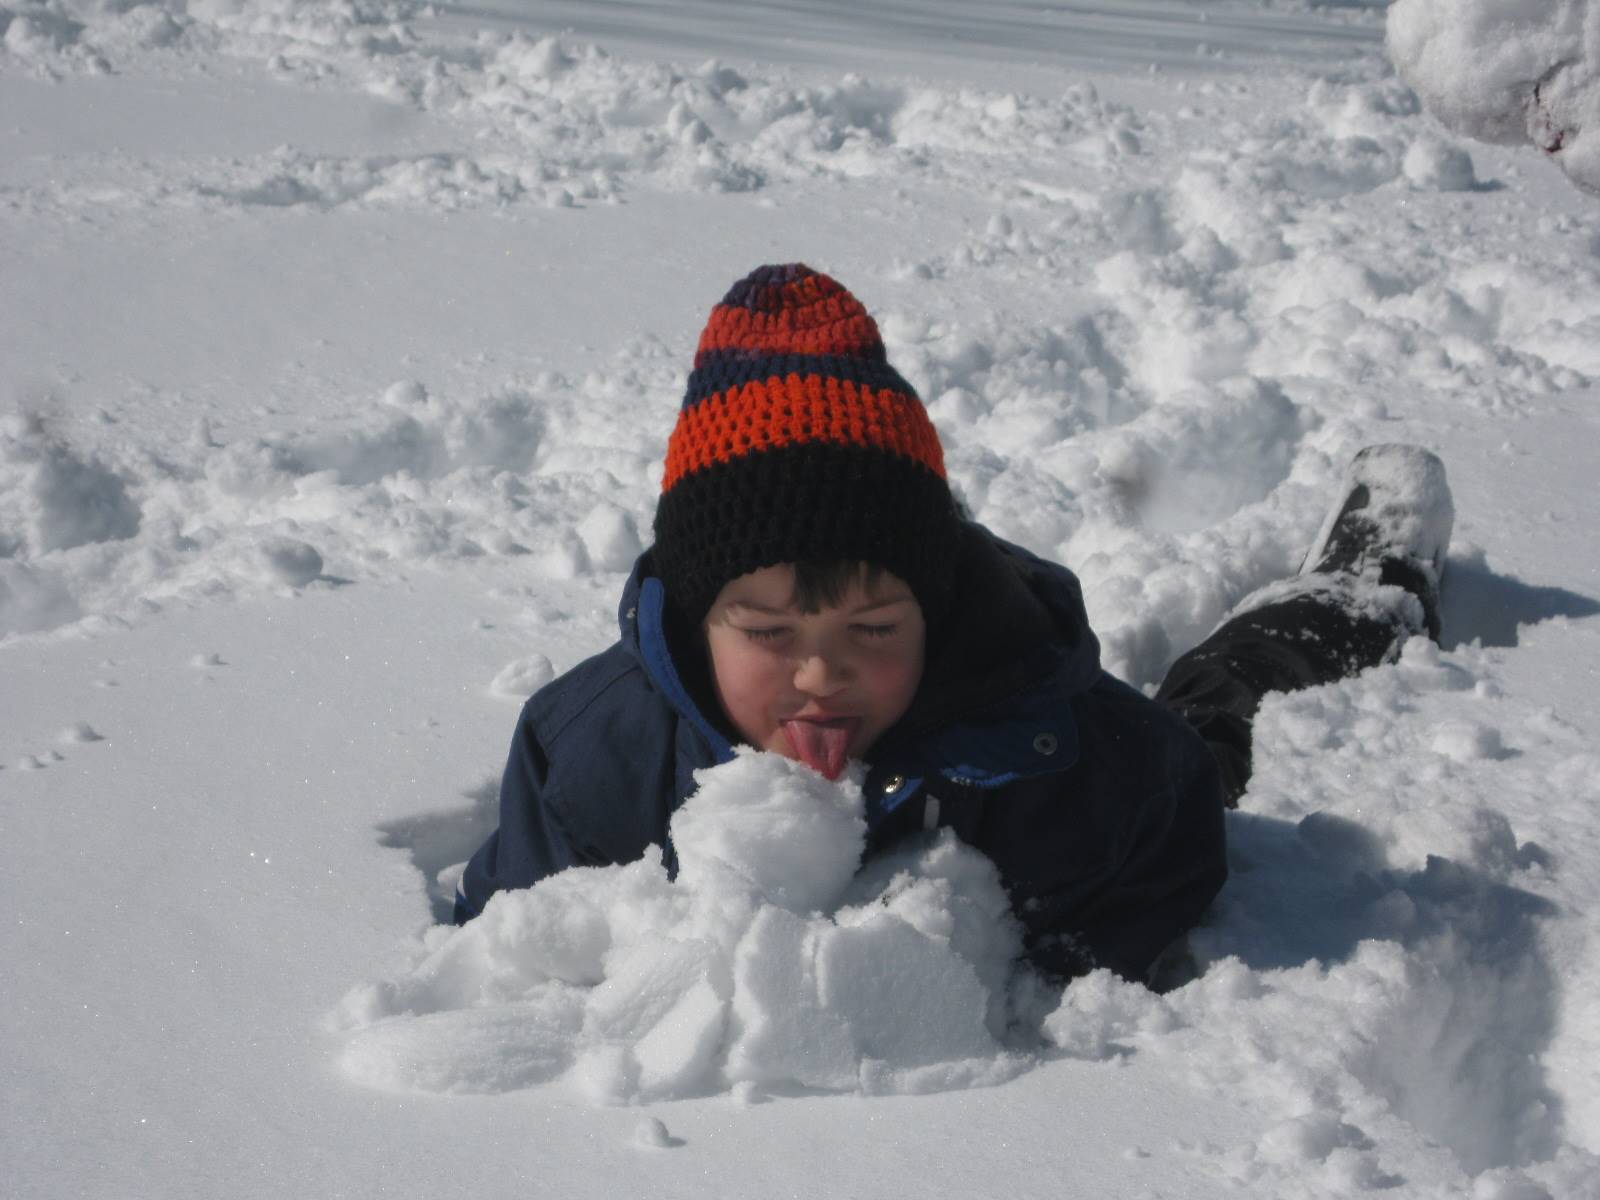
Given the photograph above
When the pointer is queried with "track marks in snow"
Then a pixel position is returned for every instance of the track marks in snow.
(536, 471)
(1364, 799)
(557, 124)
(440, 843)
(1230, 331)
(75, 735)
(1215, 337)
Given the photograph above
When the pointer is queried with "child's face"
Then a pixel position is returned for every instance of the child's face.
(819, 687)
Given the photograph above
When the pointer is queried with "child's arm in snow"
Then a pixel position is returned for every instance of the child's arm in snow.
(589, 781)
(532, 841)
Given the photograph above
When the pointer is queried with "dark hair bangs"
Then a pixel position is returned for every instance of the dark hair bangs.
(825, 585)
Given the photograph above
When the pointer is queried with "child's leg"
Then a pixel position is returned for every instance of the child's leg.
(1370, 582)
(1293, 643)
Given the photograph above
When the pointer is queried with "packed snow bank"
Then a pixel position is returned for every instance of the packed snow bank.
(769, 964)
(1509, 71)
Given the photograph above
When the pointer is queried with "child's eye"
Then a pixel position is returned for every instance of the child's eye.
(876, 631)
(764, 635)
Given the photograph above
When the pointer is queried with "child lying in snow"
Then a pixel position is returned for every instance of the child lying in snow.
(813, 590)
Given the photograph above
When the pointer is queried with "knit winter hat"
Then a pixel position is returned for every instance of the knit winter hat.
(798, 442)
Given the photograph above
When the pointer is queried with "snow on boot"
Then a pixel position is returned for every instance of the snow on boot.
(1391, 525)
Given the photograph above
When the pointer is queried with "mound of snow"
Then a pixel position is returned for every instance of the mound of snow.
(51, 498)
(1512, 72)
(768, 963)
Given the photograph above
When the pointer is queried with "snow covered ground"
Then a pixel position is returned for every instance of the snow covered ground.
(338, 349)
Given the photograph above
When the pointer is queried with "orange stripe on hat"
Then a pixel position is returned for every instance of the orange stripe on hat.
(796, 410)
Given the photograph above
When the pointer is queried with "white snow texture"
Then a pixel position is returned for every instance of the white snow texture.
(768, 963)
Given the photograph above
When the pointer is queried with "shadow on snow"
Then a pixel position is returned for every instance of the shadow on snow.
(438, 841)
(1475, 604)
(1459, 1054)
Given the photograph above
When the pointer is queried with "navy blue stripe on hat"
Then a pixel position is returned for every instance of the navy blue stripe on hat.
(721, 370)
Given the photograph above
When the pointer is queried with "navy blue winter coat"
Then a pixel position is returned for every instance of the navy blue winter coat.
(1102, 810)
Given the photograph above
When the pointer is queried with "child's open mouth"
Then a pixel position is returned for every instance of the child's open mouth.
(822, 744)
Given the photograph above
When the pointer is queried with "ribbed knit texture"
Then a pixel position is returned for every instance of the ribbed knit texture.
(798, 442)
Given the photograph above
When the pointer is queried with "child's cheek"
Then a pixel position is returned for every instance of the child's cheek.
(753, 685)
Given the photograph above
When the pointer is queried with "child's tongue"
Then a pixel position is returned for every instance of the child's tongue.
(821, 745)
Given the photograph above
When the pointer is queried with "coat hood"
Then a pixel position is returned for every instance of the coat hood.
(1014, 645)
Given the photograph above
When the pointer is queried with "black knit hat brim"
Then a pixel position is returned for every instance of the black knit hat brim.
(817, 503)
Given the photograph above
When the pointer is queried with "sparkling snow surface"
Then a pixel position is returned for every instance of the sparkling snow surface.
(339, 345)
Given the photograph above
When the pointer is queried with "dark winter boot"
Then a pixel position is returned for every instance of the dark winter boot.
(1391, 525)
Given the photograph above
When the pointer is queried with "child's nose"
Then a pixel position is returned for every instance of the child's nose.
(819, 675)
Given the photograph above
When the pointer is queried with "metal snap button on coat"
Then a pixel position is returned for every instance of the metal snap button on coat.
(893, 784)
(1045, 743)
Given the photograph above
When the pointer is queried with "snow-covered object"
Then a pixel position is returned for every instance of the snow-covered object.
(764, 964)
(1509, 71)
(1407, 503)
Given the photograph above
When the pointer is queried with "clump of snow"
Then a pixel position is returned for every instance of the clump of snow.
(767, 963)
(1508, 71)
(290, 561)
(1434, 163)
(522, 677)
(772, 831)
(611, 537)
(651, 1133)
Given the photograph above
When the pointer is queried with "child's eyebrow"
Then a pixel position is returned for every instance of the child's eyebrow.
(764, 609)
(874, 605)
(768, 610)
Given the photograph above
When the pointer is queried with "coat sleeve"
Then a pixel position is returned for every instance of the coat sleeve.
(1159, 855)
(532, 841)
(591, 780)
